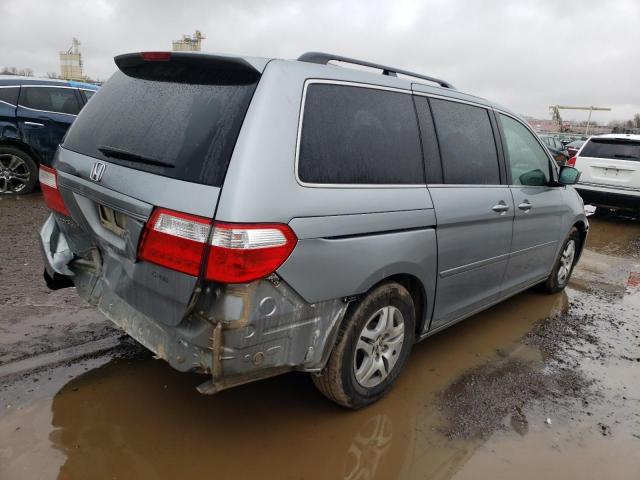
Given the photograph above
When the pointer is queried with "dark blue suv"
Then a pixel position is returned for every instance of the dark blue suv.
(34, 116)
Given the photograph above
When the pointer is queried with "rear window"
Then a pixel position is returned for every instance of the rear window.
(181, 130)
(613, 148)
(356, 135)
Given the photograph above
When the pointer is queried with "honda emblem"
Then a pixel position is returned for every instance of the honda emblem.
(97, 171)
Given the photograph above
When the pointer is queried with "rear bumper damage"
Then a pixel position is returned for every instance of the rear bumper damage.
(234, 333)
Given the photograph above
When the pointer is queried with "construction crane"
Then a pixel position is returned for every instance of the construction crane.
(557, 119)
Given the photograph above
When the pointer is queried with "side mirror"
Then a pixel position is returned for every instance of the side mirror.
(568, 175)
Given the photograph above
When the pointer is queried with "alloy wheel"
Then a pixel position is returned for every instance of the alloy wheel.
(566, 261)
(14, 174)
(379, 346)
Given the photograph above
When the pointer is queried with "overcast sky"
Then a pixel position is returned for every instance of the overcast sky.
(525, 55)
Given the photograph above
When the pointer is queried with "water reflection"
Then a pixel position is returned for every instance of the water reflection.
(140, 419)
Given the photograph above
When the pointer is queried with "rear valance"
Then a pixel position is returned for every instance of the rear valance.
(186, 67)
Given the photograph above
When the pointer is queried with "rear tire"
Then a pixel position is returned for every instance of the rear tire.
(563, 267)
(373, 344)
(18, 171)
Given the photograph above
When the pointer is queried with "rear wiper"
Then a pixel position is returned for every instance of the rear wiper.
(132, 157)
(619, 155)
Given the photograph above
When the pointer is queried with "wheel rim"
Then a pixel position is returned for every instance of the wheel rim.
(566, 261)
(14, 174)
(379, 346)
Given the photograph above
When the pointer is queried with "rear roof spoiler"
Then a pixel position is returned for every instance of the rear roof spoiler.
(187, 67)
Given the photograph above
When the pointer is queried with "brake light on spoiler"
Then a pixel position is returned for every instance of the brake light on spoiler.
(237, 253)
(48, 178)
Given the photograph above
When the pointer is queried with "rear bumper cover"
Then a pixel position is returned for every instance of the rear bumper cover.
(609, 196)
(234, 333)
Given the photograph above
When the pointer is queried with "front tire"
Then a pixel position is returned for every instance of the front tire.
(373, 345)
(562, 269)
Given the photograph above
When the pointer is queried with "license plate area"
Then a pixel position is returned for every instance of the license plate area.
(112, 220)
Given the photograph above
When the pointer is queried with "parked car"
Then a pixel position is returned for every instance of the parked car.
(574, 147)
(610, 166)
(34, 116)
(244, 217)
(557, 149)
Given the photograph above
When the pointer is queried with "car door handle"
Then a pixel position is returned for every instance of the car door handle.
(501, 207)
(526, 206)
(34, 124)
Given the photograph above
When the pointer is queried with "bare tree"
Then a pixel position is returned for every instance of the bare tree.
(52, 75)
(636, 120)
(25, 72)
(9, 71)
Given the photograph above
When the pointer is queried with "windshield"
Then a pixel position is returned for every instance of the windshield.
(613, 148)
(176, 129)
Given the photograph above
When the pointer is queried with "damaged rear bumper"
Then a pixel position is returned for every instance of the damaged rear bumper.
(234, 333)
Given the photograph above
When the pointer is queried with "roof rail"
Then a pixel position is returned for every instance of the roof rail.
(324, 58)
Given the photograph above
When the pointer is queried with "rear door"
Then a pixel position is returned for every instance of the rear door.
(612, 162)
(44, 114)
(539, 208)
(157, 135)
(474, 211)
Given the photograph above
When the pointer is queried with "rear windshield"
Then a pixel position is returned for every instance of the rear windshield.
(180, 130)
(613, 148)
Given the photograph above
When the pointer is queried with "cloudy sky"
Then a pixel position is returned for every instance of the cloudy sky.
(525, 55)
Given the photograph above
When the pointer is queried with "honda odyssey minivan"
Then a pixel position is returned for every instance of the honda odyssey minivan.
(244, 217)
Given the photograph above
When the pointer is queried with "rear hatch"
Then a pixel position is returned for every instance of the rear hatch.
(611, 162)
(157, 137)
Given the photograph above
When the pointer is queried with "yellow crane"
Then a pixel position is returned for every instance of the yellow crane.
(555, 114)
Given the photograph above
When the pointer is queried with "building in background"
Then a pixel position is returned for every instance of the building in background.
(189, 43)
(71, 63)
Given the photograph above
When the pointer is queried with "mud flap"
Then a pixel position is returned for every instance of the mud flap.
(57, 281)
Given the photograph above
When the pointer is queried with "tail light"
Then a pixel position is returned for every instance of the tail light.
(48, 178)
(175, 240)
(572, 161)
(238, 253)
(242, 253)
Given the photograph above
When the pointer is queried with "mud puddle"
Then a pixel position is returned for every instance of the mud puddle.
(537, 387)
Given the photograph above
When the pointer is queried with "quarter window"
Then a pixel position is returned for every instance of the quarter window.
(9, 95)
(87, 94)
(356, 135)
(528, 162)
(467, 144)
(50, 99)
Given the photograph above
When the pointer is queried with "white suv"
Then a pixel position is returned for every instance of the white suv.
(610, 166)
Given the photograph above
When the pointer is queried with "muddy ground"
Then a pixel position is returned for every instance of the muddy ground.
(537, 387)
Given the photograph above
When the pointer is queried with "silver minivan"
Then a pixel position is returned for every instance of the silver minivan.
(245, 217)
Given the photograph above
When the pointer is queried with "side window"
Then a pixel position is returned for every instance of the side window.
(433, 167)
(528, 162)
(50, 99)
(9, 95)
(467, 144)
(356, 135)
